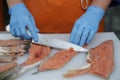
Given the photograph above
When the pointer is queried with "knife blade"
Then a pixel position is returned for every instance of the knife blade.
(55, 43)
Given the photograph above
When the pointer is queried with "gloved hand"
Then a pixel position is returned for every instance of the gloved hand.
(22, 20)
(86, 26)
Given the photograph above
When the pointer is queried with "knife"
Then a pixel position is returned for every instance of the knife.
(53, 42)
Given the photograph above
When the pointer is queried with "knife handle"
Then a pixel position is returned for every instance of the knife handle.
(8, 30)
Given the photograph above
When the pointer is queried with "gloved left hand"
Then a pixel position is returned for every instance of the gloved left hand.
(86, 26)
(22, 20)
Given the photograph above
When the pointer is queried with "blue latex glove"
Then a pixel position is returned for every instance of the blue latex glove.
(22, 20)
(86, 26)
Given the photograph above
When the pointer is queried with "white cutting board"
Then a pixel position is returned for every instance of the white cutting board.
(78, 60)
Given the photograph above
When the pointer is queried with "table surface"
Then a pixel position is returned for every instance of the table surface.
(78, 60)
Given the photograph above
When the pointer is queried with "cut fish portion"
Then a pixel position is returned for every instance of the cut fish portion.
(36, 53)
(58, 60)
(102, 59)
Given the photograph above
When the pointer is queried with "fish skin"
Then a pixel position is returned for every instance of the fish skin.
(6, 73)
(10, 77)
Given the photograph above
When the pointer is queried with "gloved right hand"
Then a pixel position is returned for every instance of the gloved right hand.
(86, 26)
(22, 20)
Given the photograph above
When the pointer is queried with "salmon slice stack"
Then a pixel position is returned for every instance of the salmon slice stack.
(15, 47)
(36, 53)
(58, 60)
(100, 59)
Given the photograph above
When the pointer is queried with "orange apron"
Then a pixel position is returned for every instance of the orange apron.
(55, 16)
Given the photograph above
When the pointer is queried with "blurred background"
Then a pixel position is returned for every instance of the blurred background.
(111, 18)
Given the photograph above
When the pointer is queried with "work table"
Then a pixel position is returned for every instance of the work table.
(78, 60)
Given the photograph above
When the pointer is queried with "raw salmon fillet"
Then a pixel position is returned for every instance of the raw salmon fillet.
(58, 60)
(36, 53)
(102, 59)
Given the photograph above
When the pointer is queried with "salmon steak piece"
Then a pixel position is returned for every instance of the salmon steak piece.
(100, 59)
(58, 60)
(37, 52)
